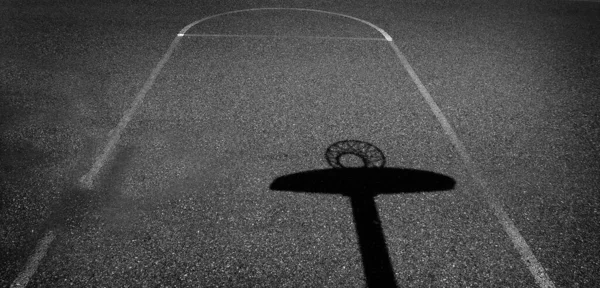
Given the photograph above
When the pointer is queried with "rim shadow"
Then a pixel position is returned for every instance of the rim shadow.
(362, 185)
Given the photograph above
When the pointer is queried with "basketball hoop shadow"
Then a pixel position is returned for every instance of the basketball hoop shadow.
(361, 185)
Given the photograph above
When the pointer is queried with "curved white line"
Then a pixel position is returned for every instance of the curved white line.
(385, 34)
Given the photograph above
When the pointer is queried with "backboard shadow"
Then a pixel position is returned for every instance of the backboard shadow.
(361, 185)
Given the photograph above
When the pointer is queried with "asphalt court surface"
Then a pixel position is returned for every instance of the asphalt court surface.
(226, 116)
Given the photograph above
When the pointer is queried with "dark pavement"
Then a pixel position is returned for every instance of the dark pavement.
(186, 200)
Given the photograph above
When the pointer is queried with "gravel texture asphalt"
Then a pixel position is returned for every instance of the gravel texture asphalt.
(185, 202)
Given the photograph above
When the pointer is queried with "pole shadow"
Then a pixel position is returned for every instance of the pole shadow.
(362, 185)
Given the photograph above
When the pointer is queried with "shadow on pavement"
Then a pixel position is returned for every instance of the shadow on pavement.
(362, 185)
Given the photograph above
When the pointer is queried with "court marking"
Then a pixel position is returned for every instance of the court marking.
(381, 31)
(285, 36)
(87, 180)
(34, 261)
(520, 244)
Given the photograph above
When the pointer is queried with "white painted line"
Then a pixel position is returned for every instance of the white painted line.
(87, 180)
(34, 261)
(381, 31)
(283, 36)
(507, 223)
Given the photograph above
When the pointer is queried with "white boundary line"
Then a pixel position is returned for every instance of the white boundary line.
(87, 181)
(34, 261)
(527, 256)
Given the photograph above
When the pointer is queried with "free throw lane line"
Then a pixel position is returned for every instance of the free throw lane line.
(87, 180)
(534, 266)
(284, 36)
